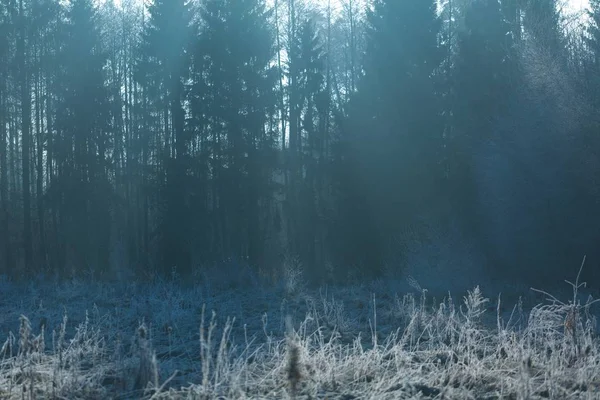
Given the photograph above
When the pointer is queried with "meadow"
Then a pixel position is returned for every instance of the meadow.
(242, 338)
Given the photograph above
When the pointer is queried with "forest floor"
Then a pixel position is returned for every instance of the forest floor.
(379, 340)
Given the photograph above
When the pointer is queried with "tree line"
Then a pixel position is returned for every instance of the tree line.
(176, 134)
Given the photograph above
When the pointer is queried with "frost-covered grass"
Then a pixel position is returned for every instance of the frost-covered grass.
(382, 340)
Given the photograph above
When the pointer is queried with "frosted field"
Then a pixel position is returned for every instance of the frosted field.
(381, 340)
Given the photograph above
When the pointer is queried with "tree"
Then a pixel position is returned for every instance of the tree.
(312, 105)
(542, 25)
(592, 40)
(5, 41)
(82, 186)
(24, 81)
(165, 65)
(346, 36)
(236, 46)
(485, 79)
(396, 129)
(485, 71)
(45, 19)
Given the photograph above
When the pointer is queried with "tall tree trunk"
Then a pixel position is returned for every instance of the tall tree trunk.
(280, 71)
(5, 241)
(325, 142)
(39, 51)
(294, 139)
(26, 139)
(351, 18)
(40, 165)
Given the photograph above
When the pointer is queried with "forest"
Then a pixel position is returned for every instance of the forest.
(299, 199)
(351, 138)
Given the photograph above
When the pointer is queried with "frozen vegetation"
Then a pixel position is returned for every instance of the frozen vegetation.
(239, 338)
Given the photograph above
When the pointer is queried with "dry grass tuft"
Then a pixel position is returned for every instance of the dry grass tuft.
(147, 375)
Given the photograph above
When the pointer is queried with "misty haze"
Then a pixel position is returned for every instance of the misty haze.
(299, 199)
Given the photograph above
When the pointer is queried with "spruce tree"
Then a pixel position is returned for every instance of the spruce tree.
(164, 70)
(485, 79)
(83, 149)
(312, 101)
(236, 49)
(395, 116)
